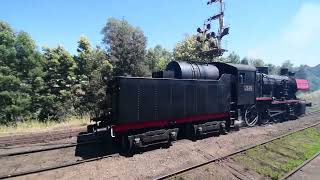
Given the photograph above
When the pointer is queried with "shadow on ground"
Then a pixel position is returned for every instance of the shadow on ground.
(106, 146)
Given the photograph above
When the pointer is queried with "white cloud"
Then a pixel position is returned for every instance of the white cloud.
(299, 41)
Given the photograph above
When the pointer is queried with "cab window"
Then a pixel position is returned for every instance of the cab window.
(242, 77)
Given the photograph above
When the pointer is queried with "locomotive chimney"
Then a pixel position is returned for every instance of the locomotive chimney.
(263, 70)
(292, 74)
(284, 71)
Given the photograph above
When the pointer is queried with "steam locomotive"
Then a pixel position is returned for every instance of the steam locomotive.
(197, 99)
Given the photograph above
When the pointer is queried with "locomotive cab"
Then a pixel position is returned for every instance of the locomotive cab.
(243, 82)
(243, 89)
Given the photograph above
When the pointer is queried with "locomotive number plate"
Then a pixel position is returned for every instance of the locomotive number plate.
(248, 88)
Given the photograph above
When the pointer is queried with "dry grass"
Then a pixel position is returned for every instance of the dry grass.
(31, 126)
(313, 96)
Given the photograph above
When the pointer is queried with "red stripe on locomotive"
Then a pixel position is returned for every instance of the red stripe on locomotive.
(165, 122)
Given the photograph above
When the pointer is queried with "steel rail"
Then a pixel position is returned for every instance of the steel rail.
(47, 149)
(39, 143)
(6, 141)
(55, 167)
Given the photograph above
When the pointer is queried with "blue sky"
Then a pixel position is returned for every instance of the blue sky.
(273, 30)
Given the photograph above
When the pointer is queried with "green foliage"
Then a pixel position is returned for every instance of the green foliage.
(49, 85)
(20, 73)
(287, 64)
(244, 61)
(310, 73)
(273, 69)
(187, 50)
(190, 50)
(256, 62)
(157, 58)
(56, 97)
(233, 58)
(93, 72)
(126, 47)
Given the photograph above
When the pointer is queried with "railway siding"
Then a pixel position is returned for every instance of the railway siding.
(271, 160)
(279, 157)
(33, 138)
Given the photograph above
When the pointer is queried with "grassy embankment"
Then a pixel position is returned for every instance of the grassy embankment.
(281, 156)
(36, 126)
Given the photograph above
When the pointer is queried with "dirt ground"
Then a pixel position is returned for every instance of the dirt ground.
(227, 169)
(149, 164)
(309, 172)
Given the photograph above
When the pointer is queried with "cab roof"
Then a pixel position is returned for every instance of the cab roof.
(243, 67)
(237, 67)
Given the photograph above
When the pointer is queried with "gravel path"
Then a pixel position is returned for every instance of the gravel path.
(309, 172)
(153, 163)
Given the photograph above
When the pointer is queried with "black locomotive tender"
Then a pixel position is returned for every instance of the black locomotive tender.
(196, 99)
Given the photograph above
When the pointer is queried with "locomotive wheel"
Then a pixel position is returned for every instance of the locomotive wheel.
(223, 129)
(251, 116)
(126, 148)
(190, 133)
(90, 128)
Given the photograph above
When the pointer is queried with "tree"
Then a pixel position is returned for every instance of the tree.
(57, 97)
(51, 85)
(126, 47)
(287, 64)
(157, 58)
(187, 50)
(302, 72)
(245, 61)
(30, 67)
(273, 69)
(97, 95)
(20, 75)
(233, 58)
(256, 62)
(190, 50)
(93, 71)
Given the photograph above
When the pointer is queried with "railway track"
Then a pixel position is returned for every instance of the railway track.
(221, 159)
(17, 174)
(42, 137)
(24, 173)
(58, 166)
(47, 149)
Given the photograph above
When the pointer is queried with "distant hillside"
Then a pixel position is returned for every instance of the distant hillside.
(310, 73)
(313, 97)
